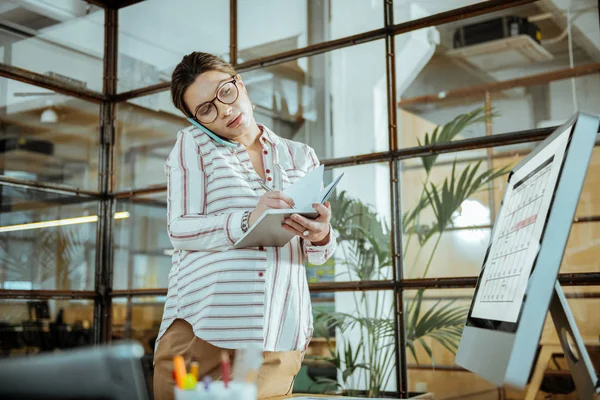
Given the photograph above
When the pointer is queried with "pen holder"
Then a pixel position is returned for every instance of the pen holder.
(218, 391)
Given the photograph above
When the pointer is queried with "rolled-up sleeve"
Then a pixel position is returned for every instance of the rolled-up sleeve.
(317, 255)
(189, 227)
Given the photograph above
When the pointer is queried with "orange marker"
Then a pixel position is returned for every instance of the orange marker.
(180, 372)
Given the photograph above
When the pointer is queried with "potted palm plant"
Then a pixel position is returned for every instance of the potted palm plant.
(365, 358)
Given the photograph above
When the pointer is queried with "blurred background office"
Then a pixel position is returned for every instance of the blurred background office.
(374, 86)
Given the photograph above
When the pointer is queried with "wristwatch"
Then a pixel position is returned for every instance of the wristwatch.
(245, 219)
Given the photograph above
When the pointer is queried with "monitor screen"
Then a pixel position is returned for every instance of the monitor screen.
(520, 268)
(516, 238)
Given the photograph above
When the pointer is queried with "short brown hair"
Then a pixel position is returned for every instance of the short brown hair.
(186, 72)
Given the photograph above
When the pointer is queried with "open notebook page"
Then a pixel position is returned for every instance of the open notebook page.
(306, 191)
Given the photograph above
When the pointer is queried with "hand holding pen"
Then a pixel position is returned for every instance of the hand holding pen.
(274, 199)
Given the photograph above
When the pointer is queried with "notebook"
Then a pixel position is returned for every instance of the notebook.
(268, 231)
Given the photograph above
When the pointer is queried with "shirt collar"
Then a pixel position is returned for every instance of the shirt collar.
(268, 135)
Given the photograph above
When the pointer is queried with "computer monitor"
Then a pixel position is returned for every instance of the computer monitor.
(518, 281)
(111, 372)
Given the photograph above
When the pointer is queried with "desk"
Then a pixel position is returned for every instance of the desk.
(425, 396)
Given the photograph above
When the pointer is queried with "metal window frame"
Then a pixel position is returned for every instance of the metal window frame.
(107, 197)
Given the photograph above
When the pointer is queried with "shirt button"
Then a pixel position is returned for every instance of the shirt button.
(268, 171)
(269, 179)
(261, 248)
(265, 152)
(261, 274)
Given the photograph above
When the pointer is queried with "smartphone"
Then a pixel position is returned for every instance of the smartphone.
(212, 135)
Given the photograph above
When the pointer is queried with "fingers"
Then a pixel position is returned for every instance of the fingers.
(275, 203)
(293, 224)
(324, 211)
(306, 223)
(292, 230)
(277, 195)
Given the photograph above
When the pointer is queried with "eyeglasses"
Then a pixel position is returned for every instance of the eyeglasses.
(227, 93)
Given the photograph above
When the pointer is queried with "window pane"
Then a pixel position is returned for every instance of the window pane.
(146, 132)
(48, 137)
(64, 40)
(33, 326)
(138, 318)
(408, 10)
(300, 23)
(448, 238)
(326, 100)
(141, 246)
(438, 373)
(47, 241)
(414, 124)
(438, 79)
(154, 35)
(361, 217)
(358, 326)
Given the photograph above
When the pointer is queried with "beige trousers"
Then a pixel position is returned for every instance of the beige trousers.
(275, 378)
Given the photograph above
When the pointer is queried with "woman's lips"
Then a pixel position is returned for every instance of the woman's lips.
(236, 122)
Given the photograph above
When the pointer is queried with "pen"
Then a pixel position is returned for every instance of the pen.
(268, 189)
(264, 186)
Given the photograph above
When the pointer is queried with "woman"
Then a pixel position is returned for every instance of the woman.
(223, 173)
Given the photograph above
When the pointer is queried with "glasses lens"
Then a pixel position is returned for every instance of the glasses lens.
(228, 93)
(207, 113)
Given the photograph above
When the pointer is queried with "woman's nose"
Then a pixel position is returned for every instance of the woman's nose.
(224, 110)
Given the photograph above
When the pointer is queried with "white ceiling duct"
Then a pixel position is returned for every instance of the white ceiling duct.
(509, 52)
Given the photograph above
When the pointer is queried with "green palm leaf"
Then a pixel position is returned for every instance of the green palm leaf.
(448, 132)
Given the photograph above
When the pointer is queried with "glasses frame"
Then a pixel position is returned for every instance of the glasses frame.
(212, 102)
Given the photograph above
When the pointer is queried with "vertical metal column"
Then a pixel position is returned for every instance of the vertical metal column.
(396, 212)
(233, 32)
(318, 133)
(106, 208)
(490, 155)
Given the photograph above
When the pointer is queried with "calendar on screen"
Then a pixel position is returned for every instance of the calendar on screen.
(517, 234)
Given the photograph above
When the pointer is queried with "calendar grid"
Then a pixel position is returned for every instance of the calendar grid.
(510, 252)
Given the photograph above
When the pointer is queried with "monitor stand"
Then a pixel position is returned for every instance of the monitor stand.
(580, 365)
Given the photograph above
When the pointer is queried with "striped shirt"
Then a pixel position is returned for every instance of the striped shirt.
(233, 297)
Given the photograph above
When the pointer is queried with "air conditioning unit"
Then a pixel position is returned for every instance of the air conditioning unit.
(500, 43)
